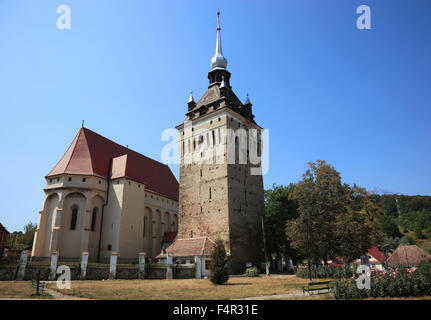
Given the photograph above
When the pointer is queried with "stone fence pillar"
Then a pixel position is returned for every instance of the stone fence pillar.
(22, 265)
(113, 265)
(169, 274)
(142, 265)
(198, 267)
(84, 263)
(53, 266)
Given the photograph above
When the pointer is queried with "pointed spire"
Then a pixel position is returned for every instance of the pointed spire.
(223, 83)
(191, 97)
(218, 61)
(247, 100)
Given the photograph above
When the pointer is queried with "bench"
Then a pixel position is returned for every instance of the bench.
(317, 286)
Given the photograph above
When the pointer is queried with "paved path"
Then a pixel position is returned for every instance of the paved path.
(58, 295)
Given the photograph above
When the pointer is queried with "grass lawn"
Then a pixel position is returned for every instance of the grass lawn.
(235, 288)
(20, 289)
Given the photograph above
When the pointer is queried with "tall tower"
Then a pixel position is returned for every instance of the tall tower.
(221, 187)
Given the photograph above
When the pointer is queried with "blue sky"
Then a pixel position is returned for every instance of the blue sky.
(359, 99)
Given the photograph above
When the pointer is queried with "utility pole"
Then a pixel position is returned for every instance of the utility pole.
(307, 221)
(264, 247)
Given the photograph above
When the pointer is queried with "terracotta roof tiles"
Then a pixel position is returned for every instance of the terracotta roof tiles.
(91, 154)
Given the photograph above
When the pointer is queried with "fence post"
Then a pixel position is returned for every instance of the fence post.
(113, 265)
(53, 266)
(142, 265)
(21, 266)
(198, 267)
(84, 263)
(168, 267)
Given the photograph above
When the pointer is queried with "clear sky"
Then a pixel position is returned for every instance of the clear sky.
(359, 99)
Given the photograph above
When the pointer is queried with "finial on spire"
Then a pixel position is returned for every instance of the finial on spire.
(191, 97)
(218, 61)
(82, 125)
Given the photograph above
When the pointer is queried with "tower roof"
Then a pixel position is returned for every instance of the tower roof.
(91, 154)
(218, 61)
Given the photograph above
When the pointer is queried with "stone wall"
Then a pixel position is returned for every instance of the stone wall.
(7, 272)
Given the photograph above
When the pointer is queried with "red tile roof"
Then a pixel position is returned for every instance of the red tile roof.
(376, 253)
(169, 236)
(408, 255)
(91, 154)
(189, 247)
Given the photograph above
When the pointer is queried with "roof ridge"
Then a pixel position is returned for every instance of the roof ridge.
(74, 142)
(120, 145)
(89, 151)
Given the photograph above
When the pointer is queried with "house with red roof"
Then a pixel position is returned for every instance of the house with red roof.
(187, 251)
(374, 258)
(102, 197)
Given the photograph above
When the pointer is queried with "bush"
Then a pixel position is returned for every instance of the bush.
(252, 272)
(396, 282)
(322, 272)
(218, 266)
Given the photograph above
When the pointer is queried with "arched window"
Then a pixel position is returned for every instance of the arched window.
(93, 220)
(74, 218)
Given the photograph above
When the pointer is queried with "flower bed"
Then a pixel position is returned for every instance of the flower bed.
(395, 282)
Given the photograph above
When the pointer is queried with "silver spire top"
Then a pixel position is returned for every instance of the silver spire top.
(191, 97)
(218, 61)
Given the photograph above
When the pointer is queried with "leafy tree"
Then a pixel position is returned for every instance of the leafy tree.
(319, 195)
(218, 267)
(28, 236)
(407, 240)
(341, 218)
(23, 241)
(389, 226)
(280, 207)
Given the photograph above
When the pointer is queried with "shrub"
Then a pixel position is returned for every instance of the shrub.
(252, 272)
(396, 282)
(218, 266)
(331, 271)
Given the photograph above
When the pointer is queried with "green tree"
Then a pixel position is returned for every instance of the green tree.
(342, 218)
(320, 199)
(389, 226)
(280, 207)
(218, 267)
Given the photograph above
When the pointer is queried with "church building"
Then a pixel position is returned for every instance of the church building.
(102, 198)
(221, 189)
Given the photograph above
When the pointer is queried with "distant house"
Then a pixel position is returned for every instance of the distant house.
(374, 258)
(409, 256)
(3, 238)
(185, 251)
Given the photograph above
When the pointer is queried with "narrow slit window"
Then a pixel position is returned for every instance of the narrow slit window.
(93, 220)
(74, 218)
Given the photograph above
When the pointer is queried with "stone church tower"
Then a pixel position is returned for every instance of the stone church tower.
(221, 188)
